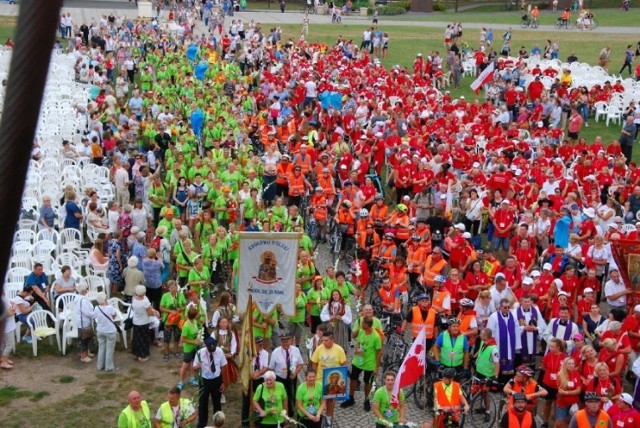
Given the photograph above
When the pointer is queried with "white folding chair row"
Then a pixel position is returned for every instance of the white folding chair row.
(40, 329)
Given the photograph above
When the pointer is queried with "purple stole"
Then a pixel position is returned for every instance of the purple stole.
(525, 342)
(567, 330)
(507, 348)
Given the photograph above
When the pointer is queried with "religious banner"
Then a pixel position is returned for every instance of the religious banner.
(626, 254)
(267, 271)
(334, 383)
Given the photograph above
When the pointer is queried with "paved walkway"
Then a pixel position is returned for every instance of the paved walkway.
(85, 10)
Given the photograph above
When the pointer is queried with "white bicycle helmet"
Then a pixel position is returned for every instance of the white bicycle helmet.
(364, 212)
(440, 278)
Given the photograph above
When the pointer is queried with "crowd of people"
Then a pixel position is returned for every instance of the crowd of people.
(509, 244)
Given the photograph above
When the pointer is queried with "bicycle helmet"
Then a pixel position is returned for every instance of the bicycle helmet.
(439, 278)
(453, 321)
(364, 212)
(467, 303)
(415, 237)
(423, 296)
(379, 197)
(519, 396)
(389, 235)
(591, 396)
(449, 372)
(347, 203)
(525, 371)
(319, 189)
(402, 207)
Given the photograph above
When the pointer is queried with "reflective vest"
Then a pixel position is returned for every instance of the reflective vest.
(283, 172)
(583, 422)
(319, 204)
(397, 275)
(296, 185)
(166, 412)
(374, 240)
(326, 183)
(432, 270)
(465, 326)
(319, 167)
(344, 217)
(304, 162)
(378, 213)
(132, 421)
(425, 239)
(388, 296)
(349, 195)
(387, 252)
(514, 420)
(452, 351)
(417, 322)
(415, 258)
(438, 299)
(484, 363)
(530, 388)
(443, 401)
(402, 233)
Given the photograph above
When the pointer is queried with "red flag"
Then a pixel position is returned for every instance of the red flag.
(485, 77)
(413, 365)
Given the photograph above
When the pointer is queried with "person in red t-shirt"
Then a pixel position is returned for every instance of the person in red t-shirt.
(631, 325)
(622, 414)
(552, 363)
(569, 387)
(503, 220)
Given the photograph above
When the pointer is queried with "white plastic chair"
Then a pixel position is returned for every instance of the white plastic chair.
(614, 114)
(18, 275)
(95, 284)
(21, 248)
(122, 310)
(24, 235)
(48, 235)
(600, 110)
(69, 330)
(70, 240)
(22, 261)
(63, 304)
(37, 322)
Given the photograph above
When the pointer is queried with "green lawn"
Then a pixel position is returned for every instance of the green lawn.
(7, 28)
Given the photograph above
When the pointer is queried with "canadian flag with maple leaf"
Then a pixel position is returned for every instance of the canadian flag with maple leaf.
(412, 367)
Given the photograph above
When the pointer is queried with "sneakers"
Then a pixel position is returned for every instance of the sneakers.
(193, 381)
(367, 405)
(143, 360)
(223, 399)
(27, 339)
(348, 403)
(91, 355)
(180, 386)
(86, 359)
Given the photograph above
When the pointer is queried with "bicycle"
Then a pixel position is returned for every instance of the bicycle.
(483, 409)
(568, 25)
(448, 418)
(592, 25)
(423, 389)
(528, 21)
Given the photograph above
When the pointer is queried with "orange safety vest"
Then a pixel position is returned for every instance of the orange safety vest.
(396, 275)
(386, 252)
(305, 163)
(417, 322)
(327, 185)
(319, 204)
(530, 388)
(402, 233)
(362, 241)
(416, 258)
(319, 167)
(344, 217)
(443, 401)
(514, 420)
(349, 196)
(432, 270)
(465, 325)
(378, 213)
(438, 299)
(425, 239)
(583, 422)
(283, 172)
(388, 297)
(361, 226)
(296, 185)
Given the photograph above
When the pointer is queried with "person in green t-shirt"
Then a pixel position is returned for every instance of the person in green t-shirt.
(184, 261)
(329, 280)
(296, 322)
(269, 400)
(345, 288)
(309, 402)
(305, 272)
(172, 304)
(190, 341)
(366, 359)
(317, 297)
(199, 278)
(385, 408)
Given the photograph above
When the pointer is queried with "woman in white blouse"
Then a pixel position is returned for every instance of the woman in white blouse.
(338, 313)
(484, 308)
(605, 214)
(141, 313)
(106, 331)
(84, 320)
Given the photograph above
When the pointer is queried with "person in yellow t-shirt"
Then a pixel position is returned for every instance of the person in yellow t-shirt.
(328, 354)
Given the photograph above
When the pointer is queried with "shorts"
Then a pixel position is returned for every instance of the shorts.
(573, 135)
(171, 331)
(552, 392)
(187, 357)
(355, 374)
(282, 189)
(562, 413)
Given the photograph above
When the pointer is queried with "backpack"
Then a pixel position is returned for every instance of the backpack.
(155, 244)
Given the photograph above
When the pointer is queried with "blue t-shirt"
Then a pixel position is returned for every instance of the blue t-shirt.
(70, 221)
(40, 281)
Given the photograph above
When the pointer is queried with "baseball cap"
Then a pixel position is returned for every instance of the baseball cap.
(535, 273)
(636, 308)
(627, 398)
(590, 290)
(546, 266)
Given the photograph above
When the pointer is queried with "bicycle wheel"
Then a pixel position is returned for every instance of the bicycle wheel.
(423, 393)
(524, 24)
(478, 410)
(535, 24)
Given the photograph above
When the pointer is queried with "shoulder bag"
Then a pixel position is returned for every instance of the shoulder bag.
(118, 329)
(85, 332)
